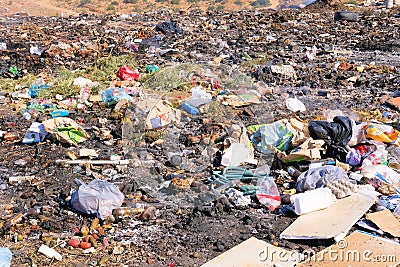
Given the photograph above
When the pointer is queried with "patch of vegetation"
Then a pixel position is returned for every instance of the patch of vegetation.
(84, 2)
(9, 85)
(154, 135)
(102, 71)
(260, 60)
(351, 2)
(175, 2)
(111, 7)
(105, 68)
(114, 3)
(130, 1)
(221, 7)
(211, 8)
(238, 3)
(62, 84)
(259, 3)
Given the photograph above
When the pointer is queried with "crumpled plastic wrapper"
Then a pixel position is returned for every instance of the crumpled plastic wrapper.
(98, 197)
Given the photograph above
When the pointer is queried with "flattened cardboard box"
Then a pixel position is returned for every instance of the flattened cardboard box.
(333, 222)
(254, 253)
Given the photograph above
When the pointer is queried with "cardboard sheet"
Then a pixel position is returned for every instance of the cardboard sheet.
(386, 221)
(254, 253)
(334, 221)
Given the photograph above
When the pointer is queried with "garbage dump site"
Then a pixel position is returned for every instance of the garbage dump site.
(247, 138)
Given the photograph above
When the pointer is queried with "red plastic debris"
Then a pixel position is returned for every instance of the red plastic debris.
(128, 74)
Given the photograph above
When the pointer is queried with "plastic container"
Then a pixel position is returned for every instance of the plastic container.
(267, 193)
(59, 113)
(27, 116)
(190, 109)
(5, 257)
(50, 252)
(389, 3)
(312, 200)
(381, 175)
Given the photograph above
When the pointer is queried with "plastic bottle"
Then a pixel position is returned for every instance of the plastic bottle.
(397, 210)
(128, 211)
(199, 97)
(190, 109)
(389, 3)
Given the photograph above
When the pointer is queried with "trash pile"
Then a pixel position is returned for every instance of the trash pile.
(139, 142)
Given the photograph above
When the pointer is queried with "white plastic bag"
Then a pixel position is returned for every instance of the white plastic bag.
(97, 197)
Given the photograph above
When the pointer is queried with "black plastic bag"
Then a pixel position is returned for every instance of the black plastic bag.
(168, 27)
(336, 135)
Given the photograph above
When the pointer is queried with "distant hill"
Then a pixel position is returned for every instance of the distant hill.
(73, 7)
